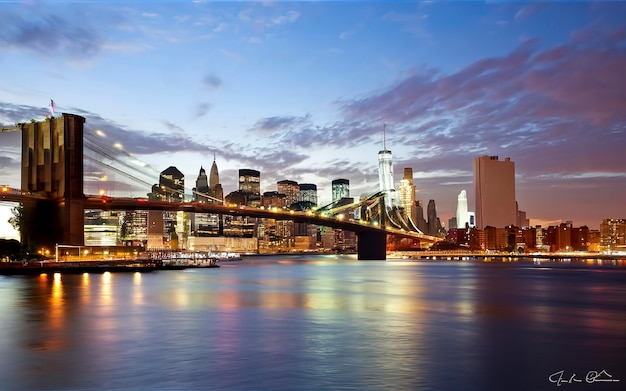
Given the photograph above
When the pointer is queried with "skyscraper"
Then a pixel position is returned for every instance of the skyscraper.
(216, 192)
(202, 187)
(385, 173)
(420, 221)
(434, 224)
(250, 186)
(463, 215)
(308, 192)
(494, 190)
(172, 185)
(207, 190)
(290, 189)
(340, 189)
(406, 192)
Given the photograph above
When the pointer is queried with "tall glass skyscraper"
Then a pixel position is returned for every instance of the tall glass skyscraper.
(385, 174)
(340, 189)
(308, 192)
(250, 185)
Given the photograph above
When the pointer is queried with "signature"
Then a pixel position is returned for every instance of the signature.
(560, 378)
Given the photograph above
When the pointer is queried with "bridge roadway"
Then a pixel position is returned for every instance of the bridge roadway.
(106, 203)
(371, 237)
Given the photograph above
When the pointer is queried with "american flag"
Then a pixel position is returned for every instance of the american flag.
(52, 106)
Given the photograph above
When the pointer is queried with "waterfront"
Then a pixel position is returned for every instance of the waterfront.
(317, 322)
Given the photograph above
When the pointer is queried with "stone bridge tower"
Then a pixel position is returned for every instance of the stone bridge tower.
(52, 167)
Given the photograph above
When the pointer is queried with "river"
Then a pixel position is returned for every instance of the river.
(319, 322)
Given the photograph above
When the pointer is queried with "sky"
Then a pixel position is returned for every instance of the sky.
(302, 90)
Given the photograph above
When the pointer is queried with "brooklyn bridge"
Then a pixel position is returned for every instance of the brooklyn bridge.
(54, 202)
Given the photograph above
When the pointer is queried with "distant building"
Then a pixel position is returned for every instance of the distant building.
(171, 185)
(207, 190)
(613, 234)
(250, 185)
(273, 199)
(162, 226)
(420, 221)
(290, 189)
(340, 189)
(463, 215)
(385, 174)
(494, 190)
(216, 192)
(308, 192)
(434, 223)
(522, 220)
(406, 194)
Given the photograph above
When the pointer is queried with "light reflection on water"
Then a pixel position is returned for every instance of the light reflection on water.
(311, 323)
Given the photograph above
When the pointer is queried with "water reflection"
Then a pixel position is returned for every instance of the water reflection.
(314, 324)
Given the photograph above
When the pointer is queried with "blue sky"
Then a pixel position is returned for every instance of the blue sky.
(300, 91)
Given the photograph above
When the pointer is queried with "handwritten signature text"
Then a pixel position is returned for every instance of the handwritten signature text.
(559, 378)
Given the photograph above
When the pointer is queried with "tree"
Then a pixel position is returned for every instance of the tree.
(18, 218)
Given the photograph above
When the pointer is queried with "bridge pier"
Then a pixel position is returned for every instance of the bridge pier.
(52, 166)
(372, 246)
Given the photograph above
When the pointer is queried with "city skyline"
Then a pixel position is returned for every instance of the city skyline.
(300, 91)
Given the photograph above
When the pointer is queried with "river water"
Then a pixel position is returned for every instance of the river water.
(319, 323)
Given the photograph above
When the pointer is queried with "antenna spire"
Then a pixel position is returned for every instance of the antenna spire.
(384, 136)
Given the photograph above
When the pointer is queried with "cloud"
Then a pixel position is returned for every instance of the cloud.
(264, 19)
(211, 82)
(273, 124)
(203, 109)
(50, 34)
(289, 17)
(220, 27)
(554, 107)
(346, 34)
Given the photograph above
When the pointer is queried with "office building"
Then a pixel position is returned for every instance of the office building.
(340, 189)
(250, 186)
(207, 191)
(494, 190)
(613, 234)
(406, 193)
(463, 215)
(172, 185)
(290, 189)
(385, 174)
(216, 192)
(308, 193)
(434, 223)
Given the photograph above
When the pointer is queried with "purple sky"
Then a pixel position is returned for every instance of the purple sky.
(300, 91)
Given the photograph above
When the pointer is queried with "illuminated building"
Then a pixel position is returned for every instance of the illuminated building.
(463, 216)
(216, 192)
(308, 192)
(494, 190)
(290, 189)
(250, 186)
(340, 189)
(406, 192)
(613, 234)
(201, 191)
(207, 191)
(101, 228)
(171, 185)
(385, 177)
(162, 226)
